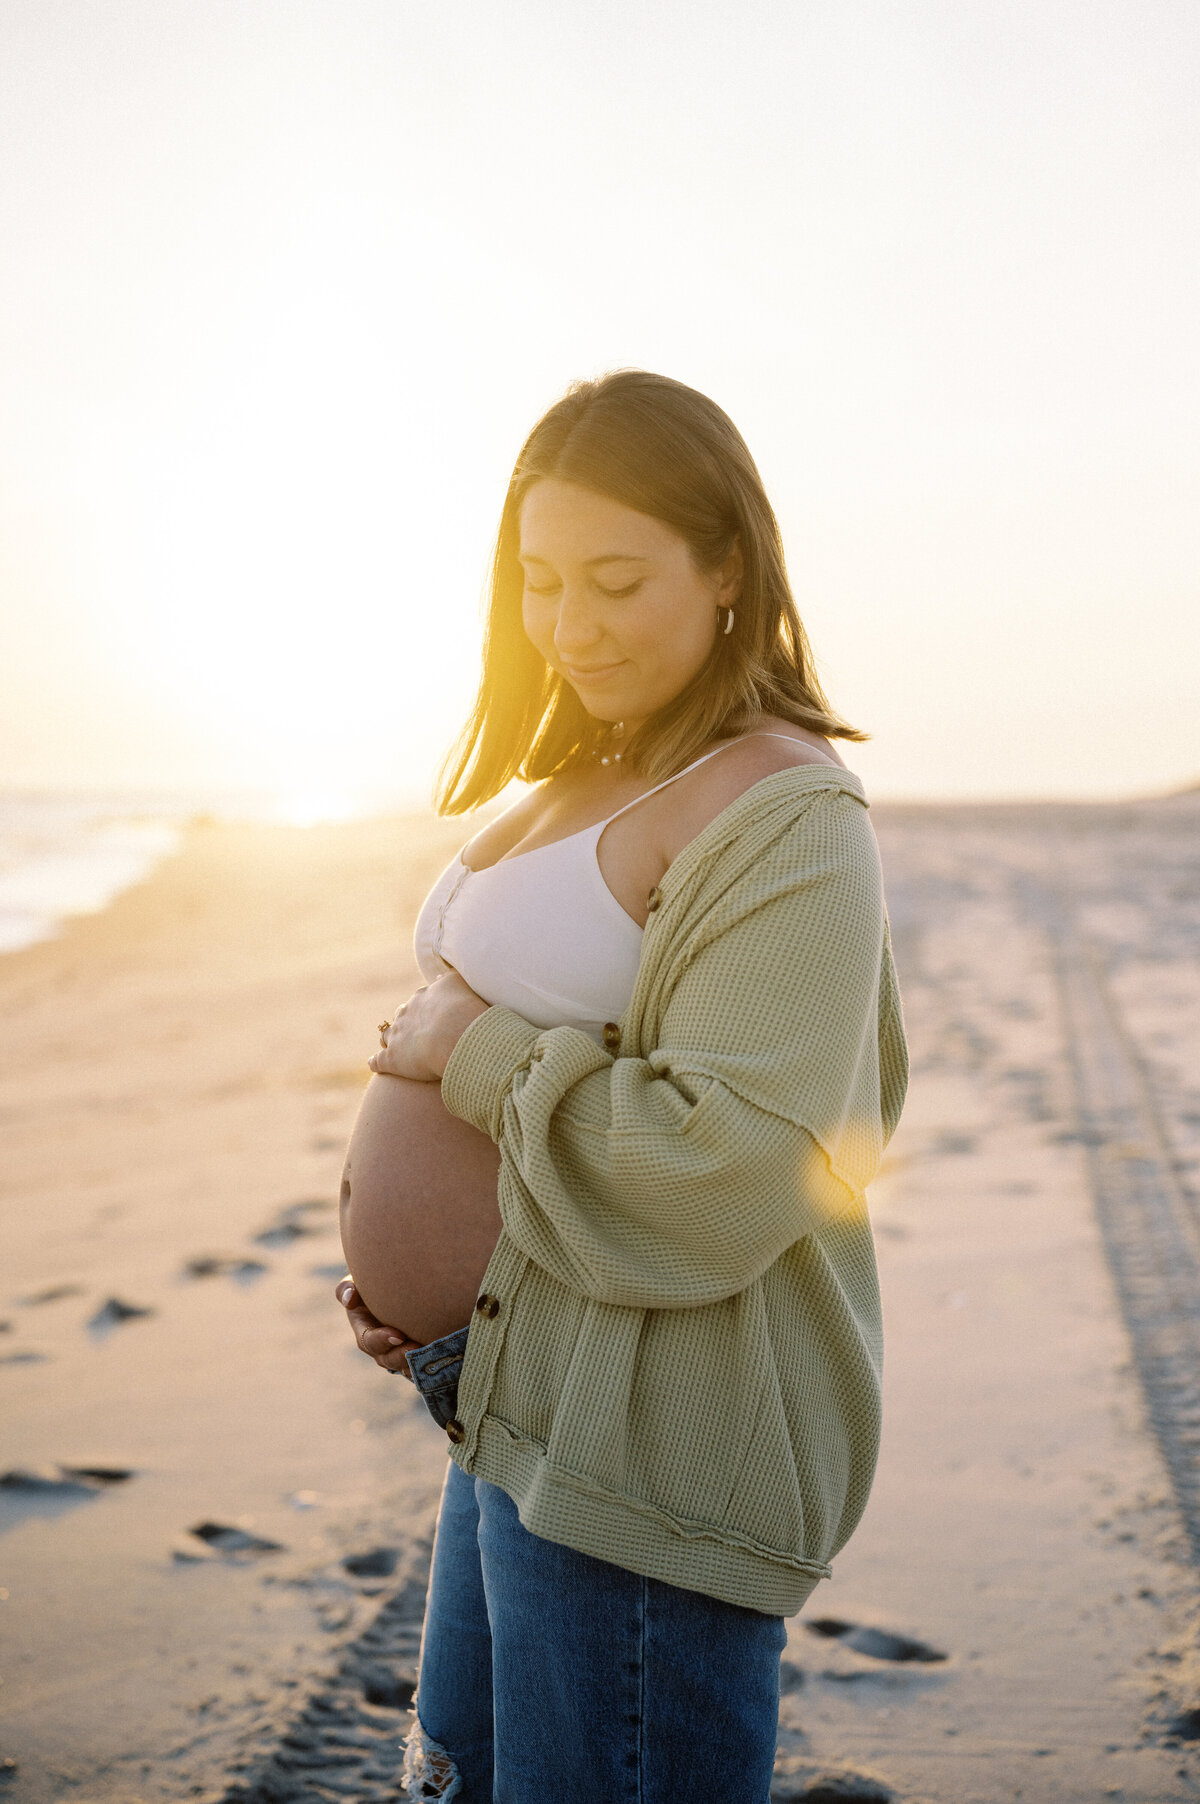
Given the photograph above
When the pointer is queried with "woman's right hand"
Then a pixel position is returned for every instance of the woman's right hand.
(386, 1346)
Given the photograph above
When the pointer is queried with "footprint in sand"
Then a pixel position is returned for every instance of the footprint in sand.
(223, 1539)
(380, 1562)
(225, 1265)
(295, 1222)
(384, 1688)
(63, 1481)
(113, 1312)
(797, 1778)
(878, 1644)
(50, 1491)
(344, 1742)
(53, 1293)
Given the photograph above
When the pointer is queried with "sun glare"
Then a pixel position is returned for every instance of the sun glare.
(318, 807)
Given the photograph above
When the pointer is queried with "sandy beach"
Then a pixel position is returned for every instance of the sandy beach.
(1016, 1616)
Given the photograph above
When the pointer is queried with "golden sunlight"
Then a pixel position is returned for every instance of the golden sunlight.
(317, 807)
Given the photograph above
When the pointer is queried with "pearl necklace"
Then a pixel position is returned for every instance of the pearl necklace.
(615, 732)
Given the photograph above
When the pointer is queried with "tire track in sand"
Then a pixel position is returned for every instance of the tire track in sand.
(1149, 1222)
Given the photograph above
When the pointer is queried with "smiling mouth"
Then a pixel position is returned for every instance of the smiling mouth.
(594, 672)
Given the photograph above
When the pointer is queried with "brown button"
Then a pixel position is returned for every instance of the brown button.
(489, 1306)
(456, 1431)
(611, 1036)
(654, 899)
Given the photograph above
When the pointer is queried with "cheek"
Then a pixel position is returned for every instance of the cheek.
(539, 628)
(682, 635)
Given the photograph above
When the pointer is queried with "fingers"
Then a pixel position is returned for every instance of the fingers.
(386, 1027)
(388, 1350)
(350, 1300)
(401, 1051)
(384, 1344)
(361, 1319)
(389, 1353)
(402, 1058)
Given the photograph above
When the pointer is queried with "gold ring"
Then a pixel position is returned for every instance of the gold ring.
(384, 1030)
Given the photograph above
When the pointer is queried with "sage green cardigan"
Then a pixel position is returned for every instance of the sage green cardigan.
(675, 1362)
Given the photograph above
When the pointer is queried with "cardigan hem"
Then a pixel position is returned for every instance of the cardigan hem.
(563, 1506)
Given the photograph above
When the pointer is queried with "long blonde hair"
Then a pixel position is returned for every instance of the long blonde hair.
(668, 451)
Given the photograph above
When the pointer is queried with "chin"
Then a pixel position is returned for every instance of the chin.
(606, 710)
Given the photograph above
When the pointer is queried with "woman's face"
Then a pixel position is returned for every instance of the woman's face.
(613, 600)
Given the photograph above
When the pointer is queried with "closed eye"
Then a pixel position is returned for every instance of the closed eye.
(612, 594)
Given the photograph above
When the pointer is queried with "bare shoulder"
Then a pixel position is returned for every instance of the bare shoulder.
(706, 791)
(776, 744)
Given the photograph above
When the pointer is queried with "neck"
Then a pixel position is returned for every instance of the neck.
(611, 742)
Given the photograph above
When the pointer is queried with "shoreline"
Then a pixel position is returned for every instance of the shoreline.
(176, 818)
(182, 1070)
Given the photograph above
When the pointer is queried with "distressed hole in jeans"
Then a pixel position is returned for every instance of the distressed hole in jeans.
(429, 1771)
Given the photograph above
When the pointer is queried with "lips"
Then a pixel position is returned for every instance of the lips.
(595, 673)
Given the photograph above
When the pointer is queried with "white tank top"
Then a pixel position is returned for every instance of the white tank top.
(540, 931)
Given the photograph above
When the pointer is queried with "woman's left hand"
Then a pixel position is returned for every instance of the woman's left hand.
(388, 1347)
(426, 1030)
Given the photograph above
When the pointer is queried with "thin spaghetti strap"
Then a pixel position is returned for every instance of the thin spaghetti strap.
(600, 825)
(695, 765)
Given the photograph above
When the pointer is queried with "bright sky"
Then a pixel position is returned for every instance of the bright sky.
(283, 284)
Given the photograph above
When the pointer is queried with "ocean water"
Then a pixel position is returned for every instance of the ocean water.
(70, 855)
(64, 855)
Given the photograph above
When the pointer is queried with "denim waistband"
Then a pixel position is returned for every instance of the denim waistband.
(436, 1368)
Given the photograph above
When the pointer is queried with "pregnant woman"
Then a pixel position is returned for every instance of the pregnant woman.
(605, 1198)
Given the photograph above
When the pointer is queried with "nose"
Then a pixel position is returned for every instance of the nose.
(576, 629)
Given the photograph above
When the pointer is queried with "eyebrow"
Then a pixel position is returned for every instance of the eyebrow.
(589, 563)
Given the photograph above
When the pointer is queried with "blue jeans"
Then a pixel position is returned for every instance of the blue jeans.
(547, 1675)
(435, 1369)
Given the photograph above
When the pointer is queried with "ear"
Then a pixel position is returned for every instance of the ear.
(730, 576)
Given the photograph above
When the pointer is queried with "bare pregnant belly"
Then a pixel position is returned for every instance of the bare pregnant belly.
(418, 1211)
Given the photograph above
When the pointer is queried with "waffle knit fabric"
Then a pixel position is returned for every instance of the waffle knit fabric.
(675, 1364)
